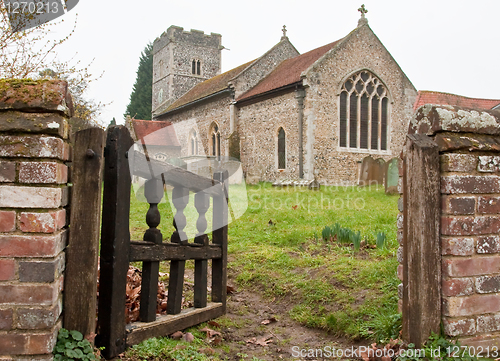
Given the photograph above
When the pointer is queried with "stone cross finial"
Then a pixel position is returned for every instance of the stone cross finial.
(284, 32)
(362, 10)
(362, 20)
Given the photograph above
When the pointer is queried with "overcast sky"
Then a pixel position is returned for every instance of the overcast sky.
(449, 46)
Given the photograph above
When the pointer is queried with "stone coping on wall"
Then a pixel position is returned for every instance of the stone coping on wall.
(431, 119)
(36, 96)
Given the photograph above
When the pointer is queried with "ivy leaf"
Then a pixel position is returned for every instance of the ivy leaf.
(69, 353)
(76, 335)
(63, 333)
(78, 353)
(82, 343)
(69, 345)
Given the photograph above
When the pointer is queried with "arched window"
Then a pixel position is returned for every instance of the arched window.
(193, 142)
(215, 139)
(160, 156)
(364, 113)
(281, 149)
(196, 67)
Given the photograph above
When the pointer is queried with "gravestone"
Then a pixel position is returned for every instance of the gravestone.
(391, 176)
(372, 171)
(379, 171)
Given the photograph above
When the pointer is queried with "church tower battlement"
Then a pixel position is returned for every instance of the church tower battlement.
(182, 59)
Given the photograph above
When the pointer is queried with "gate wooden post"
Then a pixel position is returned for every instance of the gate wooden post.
(219, 235)
(421, 240)
(80, 286)
(115, 242)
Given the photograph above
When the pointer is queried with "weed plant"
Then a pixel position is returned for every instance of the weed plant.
(438, 347)
(163, 348)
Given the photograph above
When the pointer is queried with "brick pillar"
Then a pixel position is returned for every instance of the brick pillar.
(33, 219)
(468, 142)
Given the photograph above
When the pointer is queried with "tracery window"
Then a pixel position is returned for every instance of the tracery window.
(281, 149)
(215, 139)
(364, 113)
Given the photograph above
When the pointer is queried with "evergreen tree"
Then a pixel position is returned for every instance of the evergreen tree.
(141, 97)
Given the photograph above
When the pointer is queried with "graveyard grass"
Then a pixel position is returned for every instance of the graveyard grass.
(276, 249)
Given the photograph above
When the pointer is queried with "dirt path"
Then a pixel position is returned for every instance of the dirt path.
(245, 336)
(257, 328)
(285, 337)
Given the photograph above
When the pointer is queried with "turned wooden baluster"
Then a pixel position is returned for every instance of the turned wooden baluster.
(153, 191)
(202, 203)
(180, 199)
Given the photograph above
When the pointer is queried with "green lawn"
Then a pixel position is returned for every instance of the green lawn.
(332, 286)
(276, 247)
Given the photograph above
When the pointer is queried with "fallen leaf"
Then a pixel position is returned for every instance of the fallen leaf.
(364, 356)
(210, 333)
(217, 340)
(135, 292)
(188, 337)
(263, 341)
(90, 337)
(214, 324)
(269, 320)
(230, 290)
(207, 351)
(177, 335)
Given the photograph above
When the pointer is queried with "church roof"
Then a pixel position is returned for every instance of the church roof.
(153, 132)
(438, 98)
(288, 71)
(208, 87)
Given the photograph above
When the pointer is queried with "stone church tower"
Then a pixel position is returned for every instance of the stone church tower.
(182, 59)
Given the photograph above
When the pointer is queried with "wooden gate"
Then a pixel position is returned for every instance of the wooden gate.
(117, 250)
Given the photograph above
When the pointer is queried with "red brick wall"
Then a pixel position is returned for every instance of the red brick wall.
(469, 239)
(33, 214)
(470, 219)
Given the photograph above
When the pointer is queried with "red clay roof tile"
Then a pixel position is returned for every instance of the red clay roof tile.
(153, 132)
(438, 98)
(288, 71)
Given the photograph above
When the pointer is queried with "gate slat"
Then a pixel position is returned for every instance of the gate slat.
(82, 252)
(115, 239)
(168, 324)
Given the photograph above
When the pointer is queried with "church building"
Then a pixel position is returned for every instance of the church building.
(285, 115)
